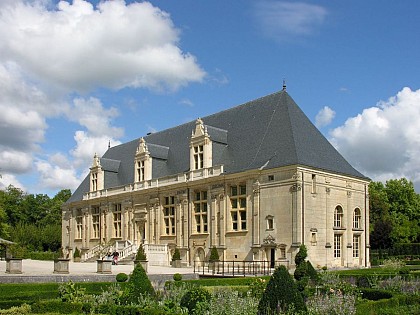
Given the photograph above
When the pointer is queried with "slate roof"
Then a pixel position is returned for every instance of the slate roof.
(268, 132)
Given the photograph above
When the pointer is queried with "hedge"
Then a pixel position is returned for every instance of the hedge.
(374, 307)
(131, 310)
(375, 295)
(58, 306)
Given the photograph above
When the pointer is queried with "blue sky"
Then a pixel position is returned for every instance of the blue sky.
(77, 74)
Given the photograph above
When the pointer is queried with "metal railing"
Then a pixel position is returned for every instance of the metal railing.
(233, 268)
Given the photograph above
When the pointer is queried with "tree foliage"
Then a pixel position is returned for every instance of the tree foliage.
(394, 213)
(32, 221)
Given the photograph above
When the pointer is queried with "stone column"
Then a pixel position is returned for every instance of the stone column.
(256, 213)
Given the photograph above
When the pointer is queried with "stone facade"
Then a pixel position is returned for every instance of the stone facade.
(253, 214)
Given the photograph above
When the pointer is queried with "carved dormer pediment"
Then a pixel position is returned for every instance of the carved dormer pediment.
(96, 161)
(142, 148)
(200, 129)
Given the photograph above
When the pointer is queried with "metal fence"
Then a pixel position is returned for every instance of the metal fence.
(232, 268)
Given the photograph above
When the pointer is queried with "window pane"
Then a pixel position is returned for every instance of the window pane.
(243, 202)
(234, 190)
(243, 189)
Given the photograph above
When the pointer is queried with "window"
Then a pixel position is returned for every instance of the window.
(283, 252)
(198, 157)
(356, 246)
(270, 222)
(140, 171)
(95, 222)
(117, 220)
(313, 183)
(238, 207)
(313, 238)
(270, 178)
(169, 215)
(357, 218)
(338, 217)
(79, 224)
(200, 212)
(94, 181)
(337, 245)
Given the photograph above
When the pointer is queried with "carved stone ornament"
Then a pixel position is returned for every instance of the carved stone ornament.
(269, 240)
(296, 187)
(349, 194)
(327, 190)
(296, 175)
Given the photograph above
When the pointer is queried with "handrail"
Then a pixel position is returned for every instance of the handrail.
(238, 268)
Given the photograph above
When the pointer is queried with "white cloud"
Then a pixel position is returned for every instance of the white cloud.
(57, 176)
(13, 161)
(384, 141)
(10, 179)
(324, 117)
(112, 45)
(87, 145)
(282, 20)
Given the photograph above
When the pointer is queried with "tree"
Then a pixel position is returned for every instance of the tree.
(138, 285)
(394, 213)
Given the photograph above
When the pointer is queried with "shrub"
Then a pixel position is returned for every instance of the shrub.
(141, 255)
(375, 295)
(58, 306)
(301, 255)
(177, 254)
(138, 285)
(121, 277)
(70, 292)
(281, 294)
(214, 254)
(17, 310)
(193, 297)
(312, 273)
(76, 253)
(177, 277)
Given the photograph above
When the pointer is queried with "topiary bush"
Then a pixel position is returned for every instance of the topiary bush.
(193, 297)
(177, 277)
(141, 254)
(281, 294)
(301, 255)
(177, 254)
(76, 253)
(214, 254)
(138, 285)
(121, 277)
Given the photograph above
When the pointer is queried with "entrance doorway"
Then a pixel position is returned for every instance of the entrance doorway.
(272, 257)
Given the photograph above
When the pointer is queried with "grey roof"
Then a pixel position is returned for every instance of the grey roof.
(268, 132)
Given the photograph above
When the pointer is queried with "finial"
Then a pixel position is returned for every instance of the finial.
(109, 144)
(284, 85)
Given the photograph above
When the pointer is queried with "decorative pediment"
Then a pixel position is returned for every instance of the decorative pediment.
(142, 147)
(269, 240)
(96, 161)
(200, 129)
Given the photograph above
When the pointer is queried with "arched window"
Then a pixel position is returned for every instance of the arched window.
(338, 217)
(357, 219)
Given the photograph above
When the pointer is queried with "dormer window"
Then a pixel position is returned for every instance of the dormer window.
(198, 157)
(142, 162)
(200, 147)
(96, 175)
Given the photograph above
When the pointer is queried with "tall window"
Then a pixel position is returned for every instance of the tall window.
(313, 183)
(337, 245)
(357, 218)
(95, 222)
(198, 157)
(140, 170)
(94, 181)
(238, 207)
(356, 246)
(79, 224)
(117, 220)
(169, 215)
(200, 212)
(338, 217)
